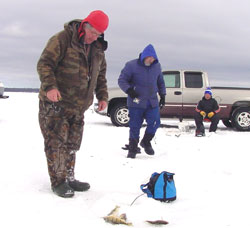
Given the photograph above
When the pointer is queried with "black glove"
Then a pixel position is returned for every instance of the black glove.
(131, 92)
(162, 101)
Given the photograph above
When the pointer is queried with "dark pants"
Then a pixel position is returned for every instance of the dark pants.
(137, 115)
(62, 131)
(199, 122)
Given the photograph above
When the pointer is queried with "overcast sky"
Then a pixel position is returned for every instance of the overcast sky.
(209, 35)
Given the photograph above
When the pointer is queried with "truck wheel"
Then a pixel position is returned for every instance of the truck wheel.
(241, 118)
(119, 115)
(227, 123)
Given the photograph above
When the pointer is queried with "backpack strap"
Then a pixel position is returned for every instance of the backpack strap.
(144, 188)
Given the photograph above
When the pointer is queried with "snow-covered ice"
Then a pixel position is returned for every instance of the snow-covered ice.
(211, 174)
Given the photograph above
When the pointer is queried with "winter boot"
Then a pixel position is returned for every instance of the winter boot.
(132, 148)
(199, 133)
(79, 186)
(146, 144)
(63, 190)
(72, 182)
(126, 147)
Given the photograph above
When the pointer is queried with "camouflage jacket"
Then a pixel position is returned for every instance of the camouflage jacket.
(65, 65)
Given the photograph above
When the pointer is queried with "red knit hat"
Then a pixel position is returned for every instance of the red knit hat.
(97, 19)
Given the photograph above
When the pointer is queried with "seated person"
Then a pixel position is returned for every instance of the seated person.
(207, 108)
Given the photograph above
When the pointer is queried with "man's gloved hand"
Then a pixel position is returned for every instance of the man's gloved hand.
(131, 92)
(203, 114)
(210, 115)
(162, 101)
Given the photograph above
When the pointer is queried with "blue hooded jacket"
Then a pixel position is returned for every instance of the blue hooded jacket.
(147, 81)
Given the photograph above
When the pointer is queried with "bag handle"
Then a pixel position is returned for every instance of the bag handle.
(144, 188)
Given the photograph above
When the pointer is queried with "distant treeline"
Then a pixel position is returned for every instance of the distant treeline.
(28, 90)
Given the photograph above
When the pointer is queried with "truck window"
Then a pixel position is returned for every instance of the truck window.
(172, 79)
(193, 79)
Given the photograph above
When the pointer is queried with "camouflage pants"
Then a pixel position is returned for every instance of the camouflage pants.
(62, 130)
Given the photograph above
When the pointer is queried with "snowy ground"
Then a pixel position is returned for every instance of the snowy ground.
(212, 174)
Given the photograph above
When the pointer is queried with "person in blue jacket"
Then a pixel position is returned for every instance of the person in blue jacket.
(142, 80)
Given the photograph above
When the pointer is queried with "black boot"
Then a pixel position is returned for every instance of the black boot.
(146, 144)
(132, 148)
(79, 186)
(63, 190)
(126, 147)
(199, 133)
(72, 182)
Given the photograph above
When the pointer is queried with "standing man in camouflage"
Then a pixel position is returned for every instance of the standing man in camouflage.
(72, 68)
